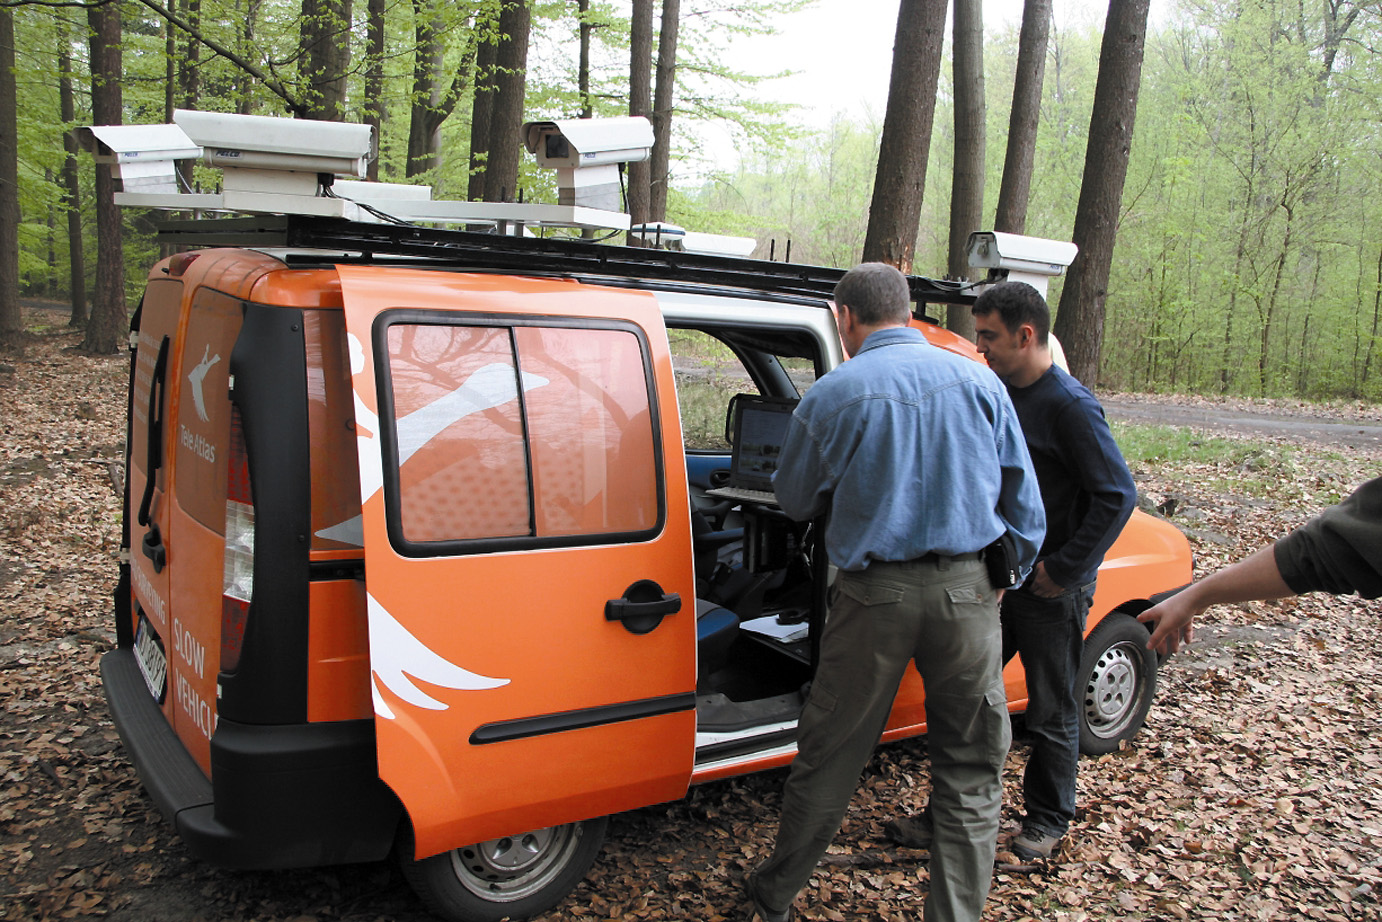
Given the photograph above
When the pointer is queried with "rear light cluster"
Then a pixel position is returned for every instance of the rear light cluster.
(238, 584)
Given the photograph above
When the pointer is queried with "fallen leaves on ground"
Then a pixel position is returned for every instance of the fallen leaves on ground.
(1253, 793)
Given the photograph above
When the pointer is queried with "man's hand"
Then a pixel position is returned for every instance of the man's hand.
(1042, 584)
(1174, 620)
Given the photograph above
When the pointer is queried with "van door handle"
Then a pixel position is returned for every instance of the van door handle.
(643, 606)
(154, 548)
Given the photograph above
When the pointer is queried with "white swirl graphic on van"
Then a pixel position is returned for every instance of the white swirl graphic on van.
(491, 386)
(397, 658)
(195, 377)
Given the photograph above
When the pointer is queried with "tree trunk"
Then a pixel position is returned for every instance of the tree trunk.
(640, 103)
(374, 109)
(583, 64)
(663, 98)
(429, 54)
(109, 323)
(1080, 320)
(506, 120)
(482, 106)
(326, 57)
(71, 184)
(1376, 331)
(431, 108)
(11, 323)
(900, 181)
(190, 83)
(967, 181)
(1015, 190)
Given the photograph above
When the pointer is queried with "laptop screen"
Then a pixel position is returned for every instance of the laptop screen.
(760, 428)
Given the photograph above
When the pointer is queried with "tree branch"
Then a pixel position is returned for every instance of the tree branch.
(273, 84)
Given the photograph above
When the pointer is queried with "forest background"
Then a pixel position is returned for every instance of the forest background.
(1247, 244)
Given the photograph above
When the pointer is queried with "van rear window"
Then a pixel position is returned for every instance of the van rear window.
(536, 432)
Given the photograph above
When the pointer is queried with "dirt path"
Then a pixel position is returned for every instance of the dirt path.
(1347, 429)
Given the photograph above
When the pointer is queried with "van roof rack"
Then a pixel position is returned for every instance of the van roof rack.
(313, 239)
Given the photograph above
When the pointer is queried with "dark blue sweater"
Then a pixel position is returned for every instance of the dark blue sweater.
(1085, 484)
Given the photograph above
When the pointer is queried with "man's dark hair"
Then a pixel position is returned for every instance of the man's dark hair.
(1016, 303)
(877, 293)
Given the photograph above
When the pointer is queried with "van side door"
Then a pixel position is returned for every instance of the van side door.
(527, 549)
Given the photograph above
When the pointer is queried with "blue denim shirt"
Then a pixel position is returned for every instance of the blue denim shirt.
(913, 450)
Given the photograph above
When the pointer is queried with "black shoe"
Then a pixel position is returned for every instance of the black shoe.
(911, 831)
(763, 912)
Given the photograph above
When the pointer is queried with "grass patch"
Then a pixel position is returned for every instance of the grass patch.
(1159, 444)
(1245, 466)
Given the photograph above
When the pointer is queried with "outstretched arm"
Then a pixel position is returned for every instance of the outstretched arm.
(1256, 577)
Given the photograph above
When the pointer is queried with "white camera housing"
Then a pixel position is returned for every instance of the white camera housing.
(575, 143)
(142, 157)
(1015, 258)
(263, 154)
(997, 250)
(586, 153)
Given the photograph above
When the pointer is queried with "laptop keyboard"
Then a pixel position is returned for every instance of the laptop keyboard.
(762, 497)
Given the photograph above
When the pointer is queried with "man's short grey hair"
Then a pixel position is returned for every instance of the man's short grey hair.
(877, 293)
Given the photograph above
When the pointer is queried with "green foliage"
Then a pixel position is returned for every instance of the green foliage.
(1248, 250)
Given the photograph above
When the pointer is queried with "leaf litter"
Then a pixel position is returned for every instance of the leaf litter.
(1254, 792)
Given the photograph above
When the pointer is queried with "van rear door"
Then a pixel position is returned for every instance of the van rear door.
(527, 549)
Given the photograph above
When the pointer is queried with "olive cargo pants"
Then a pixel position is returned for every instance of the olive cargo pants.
(942, 613)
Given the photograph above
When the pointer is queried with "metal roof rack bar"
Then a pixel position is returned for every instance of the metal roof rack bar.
(333, 239)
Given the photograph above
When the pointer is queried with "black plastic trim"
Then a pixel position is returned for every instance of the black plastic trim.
(269, 368)
(321, 571)
(526, 727)
(299, 795)
(124, 620)
(388, 423)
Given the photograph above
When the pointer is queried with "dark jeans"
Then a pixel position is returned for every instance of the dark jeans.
(1048, 634)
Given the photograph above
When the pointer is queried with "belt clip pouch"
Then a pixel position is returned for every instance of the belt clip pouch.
(1001, 559)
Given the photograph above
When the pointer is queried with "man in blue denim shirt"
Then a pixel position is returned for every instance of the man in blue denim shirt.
(917, 456)
(1089, 495)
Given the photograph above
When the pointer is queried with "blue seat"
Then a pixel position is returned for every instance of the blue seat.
(716, 630)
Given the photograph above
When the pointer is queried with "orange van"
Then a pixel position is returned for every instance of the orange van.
(422, 553)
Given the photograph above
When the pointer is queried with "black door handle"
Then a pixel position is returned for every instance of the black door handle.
(643, 606)
(154, 548)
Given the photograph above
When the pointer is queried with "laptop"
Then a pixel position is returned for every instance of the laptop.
(760, 428)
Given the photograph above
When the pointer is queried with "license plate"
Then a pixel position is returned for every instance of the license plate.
(153, 662)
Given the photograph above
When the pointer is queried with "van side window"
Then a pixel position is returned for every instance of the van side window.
(203, 425)
(708, 374)
(521, 432)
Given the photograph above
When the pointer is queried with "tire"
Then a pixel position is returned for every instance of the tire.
(1116, 683)
(513, 877)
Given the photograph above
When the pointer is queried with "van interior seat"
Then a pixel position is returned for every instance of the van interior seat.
(716, 630)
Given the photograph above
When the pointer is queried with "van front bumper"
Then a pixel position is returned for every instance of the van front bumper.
(279, 796)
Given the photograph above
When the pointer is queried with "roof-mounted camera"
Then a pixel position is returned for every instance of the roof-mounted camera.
(1015, 258)
(587, 152)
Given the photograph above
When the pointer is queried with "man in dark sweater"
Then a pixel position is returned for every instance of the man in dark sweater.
(1088, 494)
(1339, 552)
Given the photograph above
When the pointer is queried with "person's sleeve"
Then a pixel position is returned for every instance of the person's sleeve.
(1094, 458)
(1338, 551)
(803, 481)
(1019, 497)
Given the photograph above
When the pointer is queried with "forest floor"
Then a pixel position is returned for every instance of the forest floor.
(1254, 791)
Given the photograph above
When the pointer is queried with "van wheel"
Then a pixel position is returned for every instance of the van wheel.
(512, 877)
(1117, 681)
